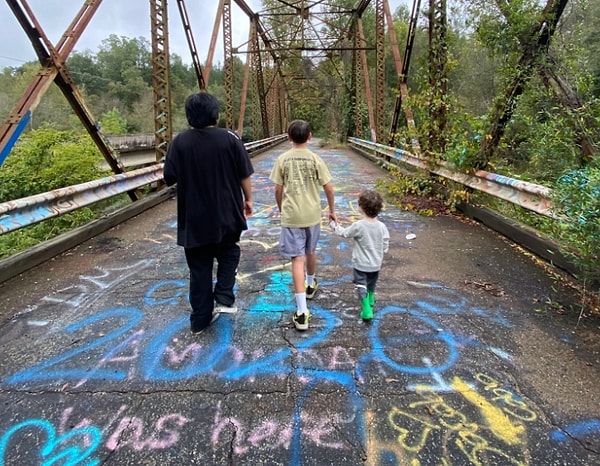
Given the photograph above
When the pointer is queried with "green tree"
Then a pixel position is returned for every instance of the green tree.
(52, 106)
(86, 73)
(45, 159)
(576, 196)
(112, 122)
(126, 64)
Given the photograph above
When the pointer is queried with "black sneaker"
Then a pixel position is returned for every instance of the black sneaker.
(301, 320)
(215, 316)
(311, 290)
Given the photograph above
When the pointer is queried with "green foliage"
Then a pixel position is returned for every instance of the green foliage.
(113, 123)
(43, 160)
(47, 159)
(540, 150)
(403, 184)
(87, 73)
(410, 191)
(576, 197)
(464, 141)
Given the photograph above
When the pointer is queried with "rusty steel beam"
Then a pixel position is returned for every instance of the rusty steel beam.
(244, 97)
(379, 70)
(270, 102)
(260, 29)
(280, 123)
(402, 71)
(367, 83)
(392, 36)
(161, 88)
(245, 8)
(438, 76)
(213, 42)
(317, 49)
(259, 78)
(253, 49)
(262, 33)
(362, 6)
(40, 42)
(410, 37)
(191, 44)
(228, 65)
(356, 81)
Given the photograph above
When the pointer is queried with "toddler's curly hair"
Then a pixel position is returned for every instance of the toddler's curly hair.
(370, 202)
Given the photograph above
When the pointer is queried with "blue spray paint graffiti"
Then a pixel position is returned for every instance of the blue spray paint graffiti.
(577, 431)
(151, 361)
(379, 348)
(44, 370)
(58, 449)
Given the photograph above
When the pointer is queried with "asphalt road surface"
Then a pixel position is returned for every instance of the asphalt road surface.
(476, 355)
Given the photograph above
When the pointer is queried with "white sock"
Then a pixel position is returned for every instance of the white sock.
(301, 303)
(310, 280)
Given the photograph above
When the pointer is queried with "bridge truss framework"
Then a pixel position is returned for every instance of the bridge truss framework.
(287, 40)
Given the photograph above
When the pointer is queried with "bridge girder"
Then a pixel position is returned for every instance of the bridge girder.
(301, 32)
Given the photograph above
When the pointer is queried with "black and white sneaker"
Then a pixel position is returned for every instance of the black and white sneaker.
(301, 320)
(311, 290)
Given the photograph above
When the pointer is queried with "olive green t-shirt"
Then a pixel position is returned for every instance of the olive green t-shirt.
(302, 173)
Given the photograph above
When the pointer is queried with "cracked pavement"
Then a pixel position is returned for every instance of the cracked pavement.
(464, 362)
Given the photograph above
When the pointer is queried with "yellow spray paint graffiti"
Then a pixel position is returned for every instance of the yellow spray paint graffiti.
(496, 420)
(474, 424)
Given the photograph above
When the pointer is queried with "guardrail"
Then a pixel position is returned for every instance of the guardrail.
(37, 208)
(531, 196)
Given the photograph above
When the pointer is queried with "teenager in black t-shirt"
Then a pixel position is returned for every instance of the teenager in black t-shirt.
(214, 198)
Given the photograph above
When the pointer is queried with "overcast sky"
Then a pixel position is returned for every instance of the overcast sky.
(129, 18)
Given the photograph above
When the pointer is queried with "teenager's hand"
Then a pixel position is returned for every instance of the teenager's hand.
(248, 209)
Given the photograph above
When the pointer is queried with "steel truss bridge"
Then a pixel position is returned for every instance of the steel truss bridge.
(287, 40)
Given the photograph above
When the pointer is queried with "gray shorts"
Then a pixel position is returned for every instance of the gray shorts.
(295, 242)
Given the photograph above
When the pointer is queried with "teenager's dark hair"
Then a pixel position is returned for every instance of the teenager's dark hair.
(201, 109)
(370, 202)
(299, 131)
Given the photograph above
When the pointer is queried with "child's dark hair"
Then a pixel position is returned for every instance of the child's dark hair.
(299, 131)
(201, 110)
(370, 202)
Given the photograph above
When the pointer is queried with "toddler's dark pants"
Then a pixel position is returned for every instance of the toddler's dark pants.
(364, 281)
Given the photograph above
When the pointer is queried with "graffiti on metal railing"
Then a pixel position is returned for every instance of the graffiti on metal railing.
(530, 196)
(37, 208)
(33, 209)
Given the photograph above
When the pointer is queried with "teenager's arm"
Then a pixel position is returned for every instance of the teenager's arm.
(278, 195)
(247, 190)
(330, 194)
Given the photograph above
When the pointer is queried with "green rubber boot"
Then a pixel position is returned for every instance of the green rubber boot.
(367, 310)
(371, 296)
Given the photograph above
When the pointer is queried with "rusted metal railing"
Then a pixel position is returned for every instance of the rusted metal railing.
(530, 196)
(37, 208)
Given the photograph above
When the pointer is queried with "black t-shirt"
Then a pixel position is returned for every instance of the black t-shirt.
(207, 164)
